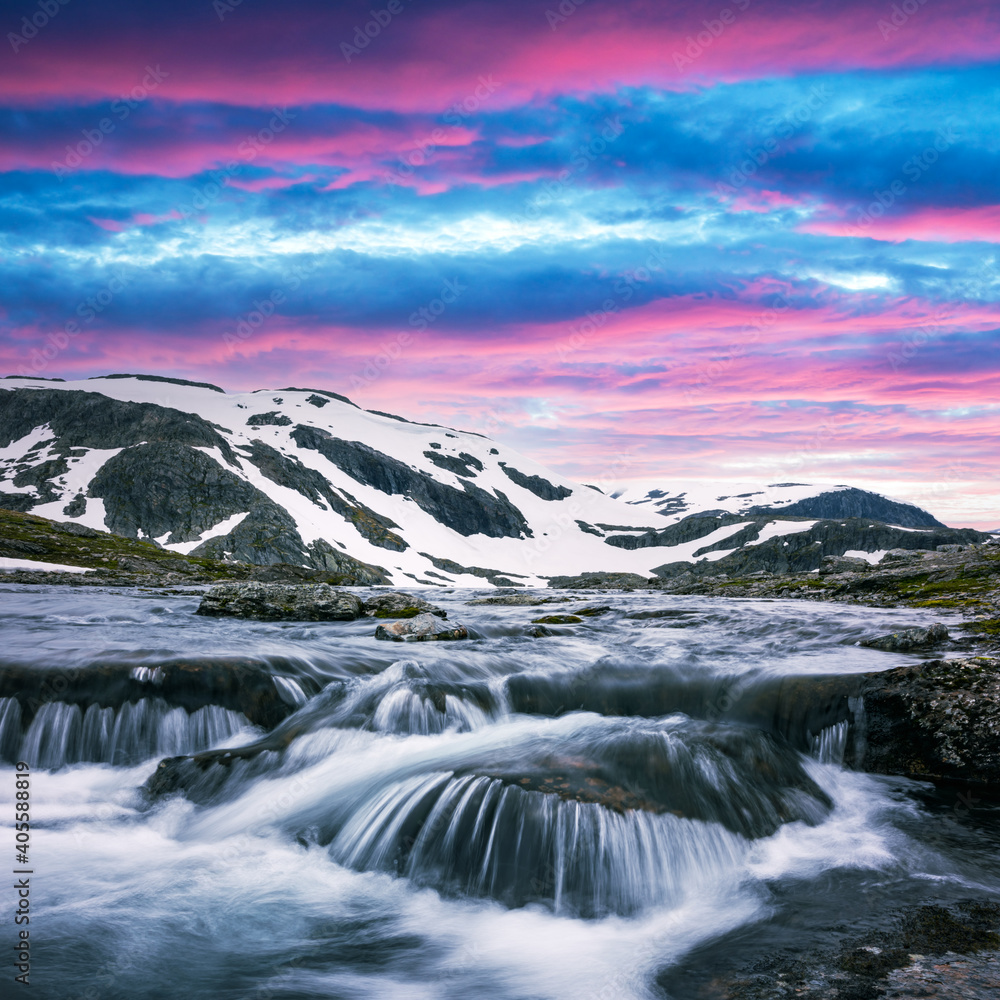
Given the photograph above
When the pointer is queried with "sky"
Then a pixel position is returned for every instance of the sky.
(742, 240)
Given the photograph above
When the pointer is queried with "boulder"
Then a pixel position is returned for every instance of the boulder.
(557, 620)
(397, 604)
(939, 719)
(421, 628)
(317, 602)
(907, 639)
(539, 631)
(903, 556)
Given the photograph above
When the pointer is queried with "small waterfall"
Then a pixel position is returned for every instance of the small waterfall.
(290, 690)
(406, 711)
(10, 728)
(480, 836)
(63, 734)
(403, 699)
(830, 746)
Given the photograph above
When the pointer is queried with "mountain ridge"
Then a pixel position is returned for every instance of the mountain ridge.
(306, 477)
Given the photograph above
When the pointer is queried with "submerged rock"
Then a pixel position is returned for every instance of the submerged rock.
(516, 600)
(557, 620)
(421, 628)
(397, 604)
(539, 631)
(910, 638)
(280, 602)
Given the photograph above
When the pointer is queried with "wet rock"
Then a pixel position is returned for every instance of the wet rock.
(421, 628)
(907, 639)
(280, 602)
(939, 720)
(658, 613)
(557, 620)
(943, 952)
(516, 600)
(397, 604)
(240, 684)
(539, 632)
(594, 611)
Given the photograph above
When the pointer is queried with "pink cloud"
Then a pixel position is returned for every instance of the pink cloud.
(595, 48)
(947, 225)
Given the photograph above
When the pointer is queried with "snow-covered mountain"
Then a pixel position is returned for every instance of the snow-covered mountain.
(305, 476)
(789, 499)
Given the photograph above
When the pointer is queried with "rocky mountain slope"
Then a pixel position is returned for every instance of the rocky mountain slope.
(784, 499)
(305, 477)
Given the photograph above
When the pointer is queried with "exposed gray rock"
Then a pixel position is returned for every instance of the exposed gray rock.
(160, 378)
(854, 503)
(803, 551)
(92, 420)
(687, 530)
(170, 488)
(910, 638)
(323, 392)
(422, 628)
(272, 417)
(462, 464)
(280, 602)
(542, 488)
(76, 507)
(937, 719)
(398, 604)
(903, 555)
(288, 471)
(323, 556)
(499, 578)
(609, 581)
(469, 511)
(844, 564)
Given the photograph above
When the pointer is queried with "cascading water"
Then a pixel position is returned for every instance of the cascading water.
(508, 817)
(64, 734)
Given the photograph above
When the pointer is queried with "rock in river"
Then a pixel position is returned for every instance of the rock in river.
(422, 628)
(281, 602)
(910, 638)
(397, 604)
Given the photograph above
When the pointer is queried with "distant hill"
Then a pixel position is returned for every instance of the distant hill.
(305, 477)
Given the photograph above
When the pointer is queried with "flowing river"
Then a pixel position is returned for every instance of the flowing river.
(621, 809)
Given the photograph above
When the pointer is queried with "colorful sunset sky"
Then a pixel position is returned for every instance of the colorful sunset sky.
(744, 240)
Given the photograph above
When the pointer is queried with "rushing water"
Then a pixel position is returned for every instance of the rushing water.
(610, 811)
